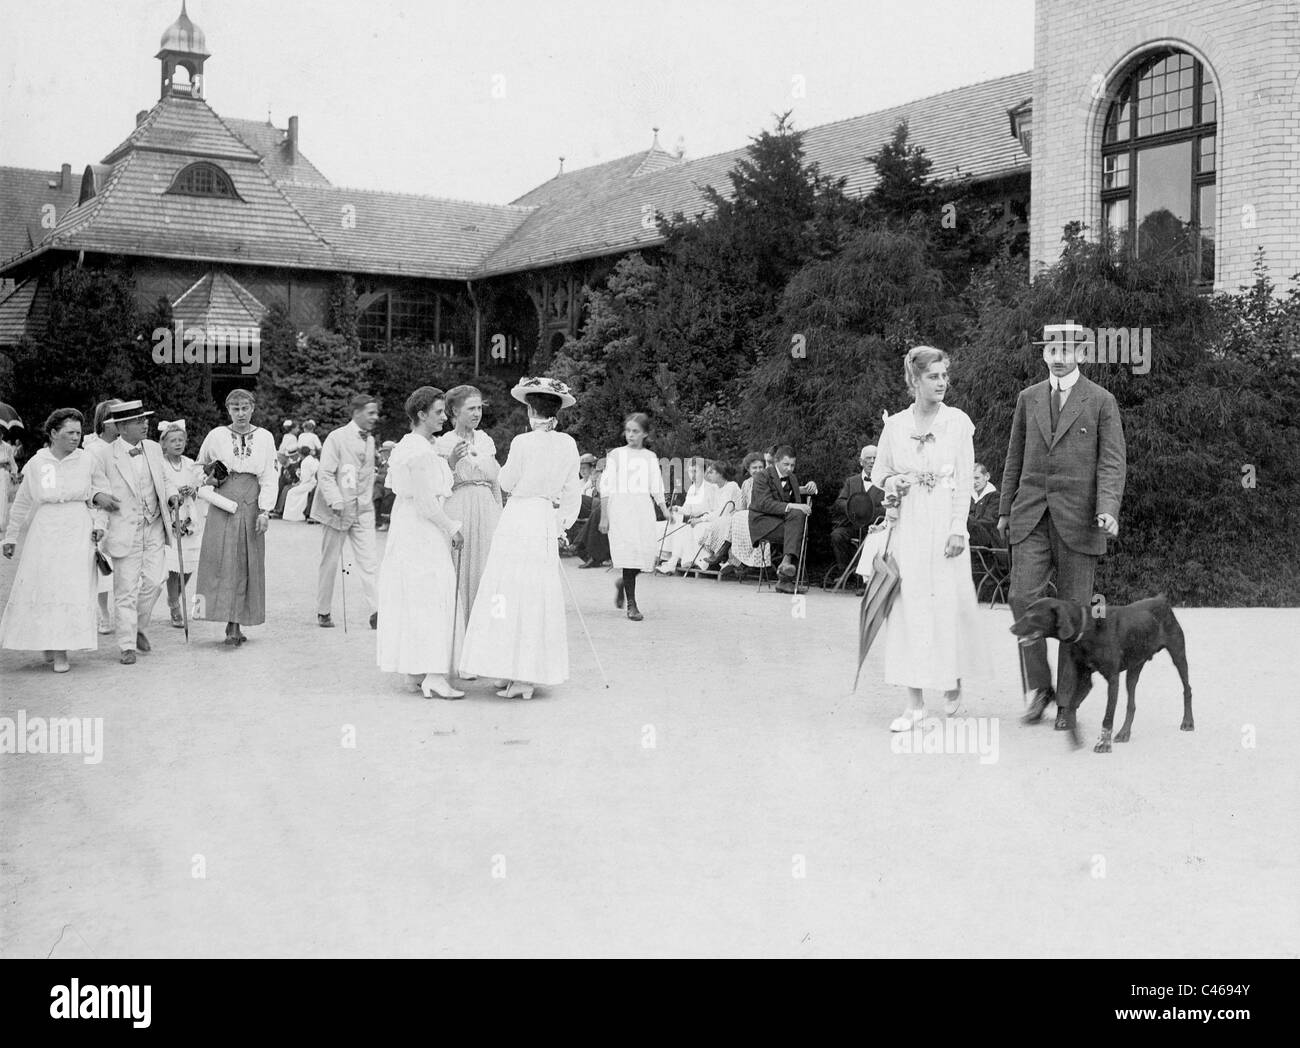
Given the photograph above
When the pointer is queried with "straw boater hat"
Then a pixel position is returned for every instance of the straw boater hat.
(1056, 334)
(127, 411)
(587, 460)
(552, 386)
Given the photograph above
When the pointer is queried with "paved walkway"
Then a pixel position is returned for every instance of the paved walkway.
(724, 795)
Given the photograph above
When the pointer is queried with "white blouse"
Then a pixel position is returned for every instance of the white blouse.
(252, 452)
(544, 464)
(417, 472)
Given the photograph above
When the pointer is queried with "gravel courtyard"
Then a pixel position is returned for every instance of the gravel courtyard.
(725, 795)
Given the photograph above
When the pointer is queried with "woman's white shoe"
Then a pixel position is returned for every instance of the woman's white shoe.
(909, 720)
(952, 706)
(436, 684)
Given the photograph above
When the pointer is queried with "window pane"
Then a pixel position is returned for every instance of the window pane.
(1115, 216)
(1206, 244)
(1207, 153)
(1164, 195)
(1115, 171)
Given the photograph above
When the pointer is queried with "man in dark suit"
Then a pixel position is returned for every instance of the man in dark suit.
(778, 514)
(1061, 492)
(843, 529)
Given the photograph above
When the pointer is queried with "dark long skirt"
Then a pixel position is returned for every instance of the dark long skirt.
(231, 586)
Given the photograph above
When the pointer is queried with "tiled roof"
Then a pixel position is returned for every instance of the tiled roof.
(217, 300)
(272, 145)
(405, 234)
(14, 311)
(23, 195)
(604, 209)
(133, 214)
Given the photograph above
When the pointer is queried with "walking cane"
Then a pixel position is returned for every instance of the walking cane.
(803, 548)
(343, 567)
(455, 612)
(586, 632)
(180, 563)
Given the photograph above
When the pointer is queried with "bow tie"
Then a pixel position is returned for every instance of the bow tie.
(135, 451)
(923, 438)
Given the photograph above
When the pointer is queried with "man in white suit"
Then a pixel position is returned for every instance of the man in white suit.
(139, 525)
(345, 503)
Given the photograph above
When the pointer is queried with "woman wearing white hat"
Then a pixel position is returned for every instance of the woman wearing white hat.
(516, 630)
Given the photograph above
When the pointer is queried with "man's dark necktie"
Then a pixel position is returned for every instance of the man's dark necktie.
(1056, 407)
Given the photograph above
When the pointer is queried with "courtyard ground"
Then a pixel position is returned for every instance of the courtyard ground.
(725, 795)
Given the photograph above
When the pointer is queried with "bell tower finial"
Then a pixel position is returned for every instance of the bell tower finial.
(183, 49)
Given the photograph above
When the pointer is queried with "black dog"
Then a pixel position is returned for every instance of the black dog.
(1121, 640)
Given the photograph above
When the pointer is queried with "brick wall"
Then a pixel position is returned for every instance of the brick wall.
(1252, 50)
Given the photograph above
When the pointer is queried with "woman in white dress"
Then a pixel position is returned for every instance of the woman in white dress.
(299, 497)
(714, 528)
(9, 478)
(476, 497)
(926, 457)
(630, 488)
(416, 586)
(190, 515)
(677, 538)
(516, 631)
(51, 604)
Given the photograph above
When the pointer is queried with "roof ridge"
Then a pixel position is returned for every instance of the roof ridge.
(32, 170)
(230, 130)
(150, 118)
(806, 130)
(526, 208)
(97, 203)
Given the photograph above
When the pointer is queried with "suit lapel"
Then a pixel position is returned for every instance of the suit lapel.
(122, 459)
(1043, 412)
(1073, 408)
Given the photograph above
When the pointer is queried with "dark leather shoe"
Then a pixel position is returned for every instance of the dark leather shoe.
(728, 572)
(374, 620)
(789, 587)
(142, 642)
(634, 613)
(324, 622)
(591, 564)
(1037, 705)
(787, 570)
(128, 658)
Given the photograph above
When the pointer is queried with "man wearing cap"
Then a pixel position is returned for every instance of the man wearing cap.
(139, 526)
(1060, 498)
(345, 503)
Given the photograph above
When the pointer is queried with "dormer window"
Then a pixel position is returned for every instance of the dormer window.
(205, 180)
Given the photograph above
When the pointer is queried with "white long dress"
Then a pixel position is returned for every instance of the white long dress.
(416, 586)
(627, 489)
(517, 629)
(932, 634)
(295, 503)
(194, 510)
(51, 604)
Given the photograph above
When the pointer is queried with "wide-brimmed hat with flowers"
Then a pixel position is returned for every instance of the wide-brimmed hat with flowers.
(552, 386)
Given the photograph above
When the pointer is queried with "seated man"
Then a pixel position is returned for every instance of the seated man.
(845, 530)
(982, 522)
(573, 538)
(778, 514)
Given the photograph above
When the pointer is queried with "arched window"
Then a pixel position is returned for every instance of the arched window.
(1157, 159)
(205, 180)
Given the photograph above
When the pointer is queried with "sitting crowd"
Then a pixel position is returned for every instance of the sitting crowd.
(719, 527)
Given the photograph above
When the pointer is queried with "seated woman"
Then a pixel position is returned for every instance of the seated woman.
(299, 497)
(743, 553)
(681, 533)
(714, 527)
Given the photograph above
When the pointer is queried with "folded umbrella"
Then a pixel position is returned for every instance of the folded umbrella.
(879, 597)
